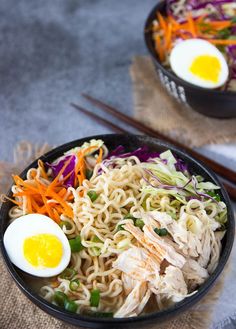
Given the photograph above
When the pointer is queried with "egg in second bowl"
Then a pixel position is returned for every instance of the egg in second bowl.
(198, 62)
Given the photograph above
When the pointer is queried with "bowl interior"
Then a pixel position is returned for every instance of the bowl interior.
(29, 284)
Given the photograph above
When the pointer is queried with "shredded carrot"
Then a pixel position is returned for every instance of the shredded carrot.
(35, 206)
(99, 158)
(159, 48)
(29, 204)
(42, 167)
(56, 179)
(56, 215)
(21, 183)
(88, 149)
(40, 188)
(162, 21)
(51, 197)
(220, 24)
(168, 37)
(191, 25)
(223, 42)
(169, 29)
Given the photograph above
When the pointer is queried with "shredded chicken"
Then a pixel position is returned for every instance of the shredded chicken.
(172, 266)
(135, 301)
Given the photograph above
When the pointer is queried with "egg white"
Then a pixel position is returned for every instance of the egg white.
(29, 225)
(183, 54)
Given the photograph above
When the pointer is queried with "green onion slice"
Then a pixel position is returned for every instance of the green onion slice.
(75, 244)
(88, 173)
(161, 231)
(74, 284)
(66, 224)
(120, 227)
(71, 306)
(92, 195)
(60, 298)
(139, 223)
(68, 273)
(214, 195)
(95, 298)
(129, 216)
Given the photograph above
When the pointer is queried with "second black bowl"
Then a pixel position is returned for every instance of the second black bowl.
(213, 103)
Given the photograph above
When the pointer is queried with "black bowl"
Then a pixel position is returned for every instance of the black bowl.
(213, 103)
(130, 142)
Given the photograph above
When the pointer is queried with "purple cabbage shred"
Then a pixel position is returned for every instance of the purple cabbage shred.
(56, 167)
(142, 153)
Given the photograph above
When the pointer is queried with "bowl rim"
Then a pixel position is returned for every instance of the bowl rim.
(149, 317)
(148, 42)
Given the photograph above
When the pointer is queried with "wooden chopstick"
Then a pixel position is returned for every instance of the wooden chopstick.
(231, 189)
(215, 166)
(99, 119)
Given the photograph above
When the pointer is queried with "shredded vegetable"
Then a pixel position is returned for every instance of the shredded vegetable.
(213, 21)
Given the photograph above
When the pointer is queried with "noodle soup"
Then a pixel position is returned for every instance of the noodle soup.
(144, 232)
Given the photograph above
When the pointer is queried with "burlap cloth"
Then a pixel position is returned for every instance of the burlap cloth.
(18, 312)
(156, 108)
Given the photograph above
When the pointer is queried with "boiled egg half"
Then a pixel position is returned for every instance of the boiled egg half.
(199, 62)
(37, 245)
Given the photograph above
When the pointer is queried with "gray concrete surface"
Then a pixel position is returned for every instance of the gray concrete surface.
(50, 52)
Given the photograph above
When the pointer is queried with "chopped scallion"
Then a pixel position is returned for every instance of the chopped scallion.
(129, 216)
(214, 195)
(68, 273)
(88, 173)
(95, 298)
(60, 298)
(161, 231)
(139, 223)
(74, 284)
(75, 244)
(92, 195)
(120, 227)
(66, 224)
(71, 306)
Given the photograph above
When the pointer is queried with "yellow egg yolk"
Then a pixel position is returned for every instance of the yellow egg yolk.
(43, 250)
(206, 67)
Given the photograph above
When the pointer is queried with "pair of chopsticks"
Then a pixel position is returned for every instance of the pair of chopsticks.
(226, 175)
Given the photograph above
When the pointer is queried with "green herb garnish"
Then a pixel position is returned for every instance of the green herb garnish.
(68, 273)
(66, 224)
(75, 244)
(120, 227)
(214, 195)
(60, 298)
(88, 173)
(95, 298)
(139, 223)
(71, 306)
(161, 231)
(129, 216)
(92, 195)
(74, 284)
